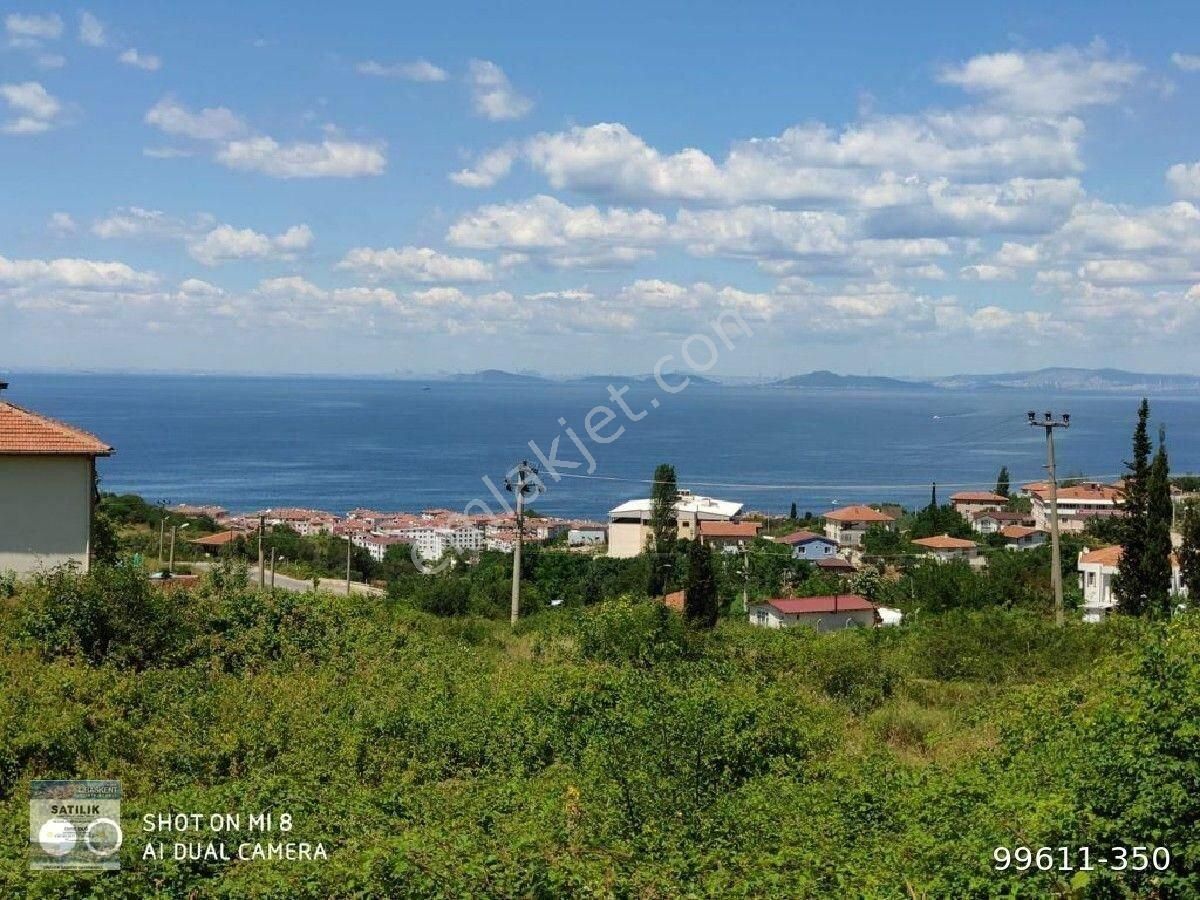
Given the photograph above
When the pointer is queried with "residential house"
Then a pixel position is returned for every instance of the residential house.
(213, 544)
(629, 523)
(1077, 504)
(1097, 574)
(728, 537)
(1022, 537)
(810, 546)
(967, 503)
(944, 548)
(216, 513)
(829, 613)
(47, 491)
(836, 565)
(990, 521)
(377, 544)
(846, 526)
(587, 535)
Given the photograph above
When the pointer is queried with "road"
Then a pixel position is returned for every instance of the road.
(299, 585)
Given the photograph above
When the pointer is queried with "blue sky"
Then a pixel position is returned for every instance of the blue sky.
(886, 188)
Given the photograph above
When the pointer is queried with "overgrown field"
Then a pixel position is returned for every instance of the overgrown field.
(598, 752)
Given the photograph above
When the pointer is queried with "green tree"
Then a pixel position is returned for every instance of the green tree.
(700, 587)
(1157, 562)
(1189, 552)
(1130, 585)
(664, 528)
(105, 544)
(792, 513)
(1003, 482)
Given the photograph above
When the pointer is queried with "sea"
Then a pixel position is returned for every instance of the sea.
(247, 443)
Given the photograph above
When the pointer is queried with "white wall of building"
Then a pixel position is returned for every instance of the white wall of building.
(45, 512)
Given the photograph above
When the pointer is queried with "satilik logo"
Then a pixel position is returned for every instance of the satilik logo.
(75, 825)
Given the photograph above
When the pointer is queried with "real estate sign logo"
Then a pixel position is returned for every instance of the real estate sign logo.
(75, 825)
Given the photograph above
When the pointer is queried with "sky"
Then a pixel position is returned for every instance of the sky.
(898, 189)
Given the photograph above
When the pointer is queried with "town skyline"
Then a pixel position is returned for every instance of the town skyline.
(997, 191)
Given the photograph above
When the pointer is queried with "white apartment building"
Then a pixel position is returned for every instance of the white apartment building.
(629, 523)
(1097, 574)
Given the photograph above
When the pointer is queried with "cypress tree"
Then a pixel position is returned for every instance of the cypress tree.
(664, 529)
(1130, 586)
(1002, 482)
(1156, 564)
(700, 587)
(792, 514)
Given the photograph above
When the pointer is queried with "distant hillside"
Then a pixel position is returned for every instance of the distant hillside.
(825, 379)
(499, 376)
(1069, 379)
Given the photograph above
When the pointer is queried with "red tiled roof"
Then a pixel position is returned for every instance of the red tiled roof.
(977, 497)
(1105, 556)
(858, 514)
(1094, 492)
(220, 539)
(827, 604)
(944, 542)
(674, 600)
(717, 529)
(23, 433)
(1016, 532)
(836, 563)
(803, 537)
(1001, 515)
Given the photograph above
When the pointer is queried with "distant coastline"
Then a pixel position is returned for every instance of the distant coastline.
(1058, 378)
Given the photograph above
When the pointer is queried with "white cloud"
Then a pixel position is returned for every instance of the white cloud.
(136, 222)
(62, 224)
(1016, 206)
(761, 231)
(417, 70)
(146, 61)
(492, 95)
(35, 109)
(199, 288)
(1184, 180)
(1187, 62)
(416, 264)
(226, 243)
(91, 30)
(72, 273)
(327, 159)
(562, 235)
(1104, 229)
(1014, 254)
(211, 124)
(50, 61)
(875, 163)
(1049, 82)
(987, 272)
(31, 27)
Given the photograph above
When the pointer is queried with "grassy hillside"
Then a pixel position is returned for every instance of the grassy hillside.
(603, 752)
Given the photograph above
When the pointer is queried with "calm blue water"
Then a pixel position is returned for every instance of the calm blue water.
(247, 443)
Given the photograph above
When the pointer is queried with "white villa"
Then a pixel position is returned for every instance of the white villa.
(1076, 504)
(629, 523)
(1022, 537)
(1098, 571)
(830, 613)
(943, 548)
(847, 525)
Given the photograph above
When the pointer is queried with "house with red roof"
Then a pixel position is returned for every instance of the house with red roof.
(47, 491)
(943, 548)
(727, 536)
(847, 525)
(1098, 574)
(967, 503)
(1022, 537)
(832, 612)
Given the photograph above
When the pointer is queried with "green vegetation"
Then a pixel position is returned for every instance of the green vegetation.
(607, 750)
(1143, 583)
(664, 529)
(1003, 482)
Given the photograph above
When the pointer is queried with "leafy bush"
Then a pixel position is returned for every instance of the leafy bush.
(640, 633)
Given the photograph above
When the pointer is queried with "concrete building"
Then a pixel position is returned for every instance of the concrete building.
(629, 523)
(944, 548)
(810, 546)
(1022, 537)
(728, 537)
(967, 503)
(830, 613)
(1097, 573)
(1077, 504)
(47, 491)
(990, 521)
(587, 535)
(846, 526)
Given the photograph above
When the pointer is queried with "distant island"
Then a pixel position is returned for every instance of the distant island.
(1052, 378)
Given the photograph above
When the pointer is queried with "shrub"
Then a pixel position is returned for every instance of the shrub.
(639, 633)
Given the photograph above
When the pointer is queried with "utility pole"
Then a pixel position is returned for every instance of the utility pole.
(262, 574)
(272, 568)
(1050, 423)
(171, 565)
(162, 530)
(527, 482)
(745, 579)
(348, 548)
